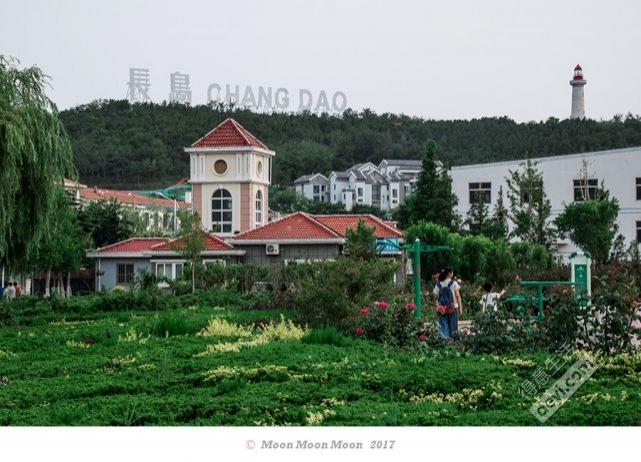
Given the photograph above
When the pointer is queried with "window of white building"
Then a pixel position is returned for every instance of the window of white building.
(638, 231)
(221, 210)
(585, 189)
(639, 189)
(360, 192)
(480, 192)
(259, 208)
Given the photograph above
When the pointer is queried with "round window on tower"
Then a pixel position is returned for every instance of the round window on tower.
(220, 167)
(259, 169)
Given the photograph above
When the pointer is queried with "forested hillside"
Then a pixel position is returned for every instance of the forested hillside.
(117, 144)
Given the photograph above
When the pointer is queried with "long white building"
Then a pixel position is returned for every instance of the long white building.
(566, 179)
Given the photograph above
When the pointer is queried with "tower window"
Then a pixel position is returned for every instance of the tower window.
(585, 189)
(480, 192)
(220, 167)
(221, 211)
(259, 208)
(639, 189)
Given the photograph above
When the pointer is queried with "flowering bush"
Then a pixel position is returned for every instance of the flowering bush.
(393, 323)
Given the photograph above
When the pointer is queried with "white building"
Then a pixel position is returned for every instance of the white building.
(564, 180)
(384, 186)
(315, 187)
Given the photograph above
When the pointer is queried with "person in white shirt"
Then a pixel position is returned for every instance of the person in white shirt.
(490, 300)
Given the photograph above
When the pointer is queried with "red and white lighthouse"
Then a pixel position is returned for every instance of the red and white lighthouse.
(578, 99)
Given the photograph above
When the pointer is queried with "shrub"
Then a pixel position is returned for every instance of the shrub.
(326, 292)
(221, 328)
(280, 331)
(171, 324)
(392, 323)
(500, 332)
(499, 263)
(472, 258)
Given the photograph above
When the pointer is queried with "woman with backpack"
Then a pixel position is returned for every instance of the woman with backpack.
(449, 304)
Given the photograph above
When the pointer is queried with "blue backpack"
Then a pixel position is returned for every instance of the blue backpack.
(446, 297)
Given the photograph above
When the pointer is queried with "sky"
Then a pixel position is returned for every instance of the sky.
(433, 59)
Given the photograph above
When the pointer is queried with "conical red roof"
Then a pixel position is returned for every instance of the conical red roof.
(228, 134)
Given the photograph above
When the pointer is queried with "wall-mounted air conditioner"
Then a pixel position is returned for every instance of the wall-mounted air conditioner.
(272, 249)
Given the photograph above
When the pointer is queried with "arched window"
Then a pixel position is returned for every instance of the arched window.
(259, 208)
(221, 211)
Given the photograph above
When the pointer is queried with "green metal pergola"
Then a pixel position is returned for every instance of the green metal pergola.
(416, 249)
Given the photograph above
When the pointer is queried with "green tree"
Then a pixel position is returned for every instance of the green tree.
(62, 248)
(35, 157)
(360, 243)
(433, 199)
(477, 219)
(591, 224)
(287, 201)
(106, 222)
(191, 242)
(498, 225)
(529, 206)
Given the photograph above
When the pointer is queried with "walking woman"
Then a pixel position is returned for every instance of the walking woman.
(449, 306)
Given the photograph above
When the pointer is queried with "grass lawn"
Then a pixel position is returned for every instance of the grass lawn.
(120, 369)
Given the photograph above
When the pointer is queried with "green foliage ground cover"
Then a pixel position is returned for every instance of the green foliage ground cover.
(137, 367)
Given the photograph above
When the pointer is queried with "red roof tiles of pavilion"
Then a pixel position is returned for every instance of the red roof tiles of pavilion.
(298, 225)
(341, 223)
(212, 243)
(132, 245)
(129, 198)
(228, 134)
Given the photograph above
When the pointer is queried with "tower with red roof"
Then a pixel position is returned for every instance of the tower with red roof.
(230, 174)
(578, 100)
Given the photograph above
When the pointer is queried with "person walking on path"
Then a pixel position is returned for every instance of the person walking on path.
(449, 303)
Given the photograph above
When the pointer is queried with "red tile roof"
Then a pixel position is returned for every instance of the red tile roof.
(132, 245)
(303, 226)
(212, 242)
(341, 223)
(298, 225)
(129, 198)
(228, 134)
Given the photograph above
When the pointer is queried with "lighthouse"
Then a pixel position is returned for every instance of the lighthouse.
(578, 101)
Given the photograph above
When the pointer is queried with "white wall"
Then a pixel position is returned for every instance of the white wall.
(617, 169)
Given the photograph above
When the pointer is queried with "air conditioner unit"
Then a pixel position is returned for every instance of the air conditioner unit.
(272, 249)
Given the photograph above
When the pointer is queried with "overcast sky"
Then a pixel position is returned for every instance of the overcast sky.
(440, 60)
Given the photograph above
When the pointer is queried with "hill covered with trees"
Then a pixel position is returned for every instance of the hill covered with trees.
(117, 144)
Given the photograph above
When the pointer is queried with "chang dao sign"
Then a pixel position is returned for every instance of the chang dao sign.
(269, 99)
(261, 99)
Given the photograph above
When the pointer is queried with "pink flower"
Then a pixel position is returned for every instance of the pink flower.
(382, 304)
(359, 331)
(422, 338)
(411, 306)
(364, 310)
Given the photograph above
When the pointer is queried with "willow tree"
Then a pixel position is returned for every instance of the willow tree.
(35, 156)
